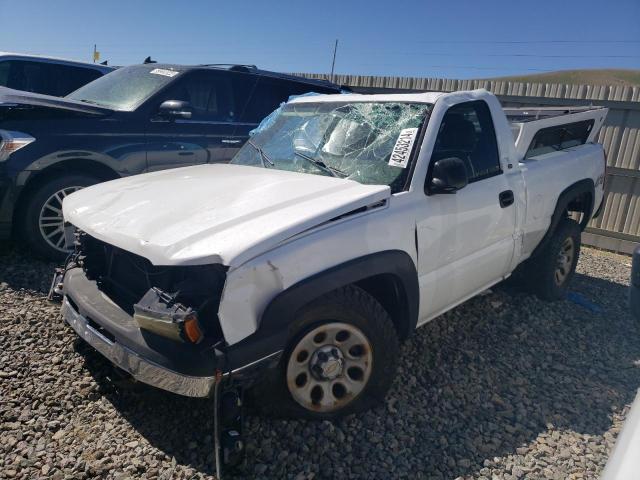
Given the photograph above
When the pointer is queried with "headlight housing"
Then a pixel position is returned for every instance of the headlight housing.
(11, 141)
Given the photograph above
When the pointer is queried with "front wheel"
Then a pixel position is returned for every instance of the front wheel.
(341, 359)
(42, 223)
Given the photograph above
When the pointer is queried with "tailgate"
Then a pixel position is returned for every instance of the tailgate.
(542, 130)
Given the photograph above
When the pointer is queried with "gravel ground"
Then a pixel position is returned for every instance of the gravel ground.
(505, 386)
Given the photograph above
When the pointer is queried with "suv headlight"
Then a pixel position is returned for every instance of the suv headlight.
(12, 141)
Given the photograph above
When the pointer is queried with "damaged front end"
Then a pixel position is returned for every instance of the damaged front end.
(158, 323)
(175, 302)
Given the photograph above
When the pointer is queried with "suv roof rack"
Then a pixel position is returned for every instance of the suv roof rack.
(236, 67)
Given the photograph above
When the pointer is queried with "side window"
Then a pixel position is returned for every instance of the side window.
(270, 93)
(559, 137)
(467, 132)
(27, 76)
(214, 96)
(4, 73)
(69, 78)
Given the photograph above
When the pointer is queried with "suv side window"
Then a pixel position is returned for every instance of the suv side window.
(271, 92)
(213, 96)
(69, 78)
(45, 77)
(467, 132)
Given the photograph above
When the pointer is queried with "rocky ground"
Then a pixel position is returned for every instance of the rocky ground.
(505, 386)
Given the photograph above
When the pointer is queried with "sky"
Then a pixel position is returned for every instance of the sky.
(453, 39)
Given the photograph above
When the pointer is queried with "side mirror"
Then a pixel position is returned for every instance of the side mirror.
(175, 109)
(448, 176)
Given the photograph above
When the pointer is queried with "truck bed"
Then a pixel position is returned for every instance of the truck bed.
(541, 130)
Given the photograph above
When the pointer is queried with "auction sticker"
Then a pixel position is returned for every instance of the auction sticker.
(402, 149)
(165, 72)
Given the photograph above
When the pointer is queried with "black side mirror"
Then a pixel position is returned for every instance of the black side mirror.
(175, 109)
(448, 176)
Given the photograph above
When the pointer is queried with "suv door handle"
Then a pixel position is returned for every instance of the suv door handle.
(506, 198)
(231, 141)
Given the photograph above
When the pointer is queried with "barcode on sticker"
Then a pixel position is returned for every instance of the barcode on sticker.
(165, 72)
(402, 149)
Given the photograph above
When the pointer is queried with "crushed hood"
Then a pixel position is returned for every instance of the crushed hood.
(17, 98)
(213, 213)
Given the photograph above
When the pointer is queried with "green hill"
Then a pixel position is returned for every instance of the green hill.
(591, 77)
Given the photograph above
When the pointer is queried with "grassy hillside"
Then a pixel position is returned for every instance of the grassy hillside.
(592, 77)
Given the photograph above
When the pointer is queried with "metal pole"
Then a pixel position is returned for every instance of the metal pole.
(333, 63)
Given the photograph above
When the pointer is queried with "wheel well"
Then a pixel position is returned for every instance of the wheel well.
(88, 167)
(582, 203)
(388, 290)
(579, 198)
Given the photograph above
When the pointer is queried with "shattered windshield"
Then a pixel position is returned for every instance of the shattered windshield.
(369, 142)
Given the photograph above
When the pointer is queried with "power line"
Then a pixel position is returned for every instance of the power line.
(524, 42)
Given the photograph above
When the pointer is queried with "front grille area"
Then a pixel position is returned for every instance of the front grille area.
(125, 277)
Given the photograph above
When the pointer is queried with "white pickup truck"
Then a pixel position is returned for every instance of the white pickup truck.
(342, 225)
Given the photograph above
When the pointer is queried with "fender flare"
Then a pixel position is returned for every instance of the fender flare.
(568, 194)
(274, 330)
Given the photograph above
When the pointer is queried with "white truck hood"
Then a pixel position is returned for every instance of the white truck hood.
(212, 213)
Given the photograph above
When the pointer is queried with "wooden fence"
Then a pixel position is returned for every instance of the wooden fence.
(618, 226)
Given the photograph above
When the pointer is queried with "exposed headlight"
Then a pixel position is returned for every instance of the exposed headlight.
(12, 141)
(158, 313)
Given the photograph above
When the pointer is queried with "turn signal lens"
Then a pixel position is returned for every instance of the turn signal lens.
(12, 141)
(192, 329)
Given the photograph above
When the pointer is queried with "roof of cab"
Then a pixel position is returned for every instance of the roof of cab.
(426, 97)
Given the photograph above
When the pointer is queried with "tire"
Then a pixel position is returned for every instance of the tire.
(349, 309)
(44, 242)
(549, 273)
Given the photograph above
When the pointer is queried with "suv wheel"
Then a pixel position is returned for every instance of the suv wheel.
(342, 359)
(549, 273)
(43, 225)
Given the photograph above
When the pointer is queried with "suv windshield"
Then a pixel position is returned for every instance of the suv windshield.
(125, 88)
(353, 140)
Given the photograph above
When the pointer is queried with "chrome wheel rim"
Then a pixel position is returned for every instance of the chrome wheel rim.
(329, 367)
(564, 261)
(51, 222)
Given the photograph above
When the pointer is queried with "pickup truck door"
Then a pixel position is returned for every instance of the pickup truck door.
(466, 240)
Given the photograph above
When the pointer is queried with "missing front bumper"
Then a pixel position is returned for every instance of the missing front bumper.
(139, 368)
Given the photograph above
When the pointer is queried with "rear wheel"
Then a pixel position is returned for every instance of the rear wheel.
(549, 273)
(341, 359)
(42, 223)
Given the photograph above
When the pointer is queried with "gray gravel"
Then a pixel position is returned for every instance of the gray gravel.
(505, 386)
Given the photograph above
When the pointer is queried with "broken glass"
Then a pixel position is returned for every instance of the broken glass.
(353, 140)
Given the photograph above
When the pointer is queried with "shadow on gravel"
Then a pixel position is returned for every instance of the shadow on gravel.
(19, 270)
(482, 381)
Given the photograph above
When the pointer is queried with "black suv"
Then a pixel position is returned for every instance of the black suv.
(51, 76)
(135, 119)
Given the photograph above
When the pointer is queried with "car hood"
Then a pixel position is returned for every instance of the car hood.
(18, 98)
(213, 213)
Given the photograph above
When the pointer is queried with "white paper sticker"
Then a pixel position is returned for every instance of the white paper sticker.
(402, 149)
(166, 73)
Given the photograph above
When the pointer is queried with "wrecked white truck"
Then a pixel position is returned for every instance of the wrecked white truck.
(343, 224)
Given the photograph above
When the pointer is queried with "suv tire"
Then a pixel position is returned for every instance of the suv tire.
(42, 225)
(350, 331)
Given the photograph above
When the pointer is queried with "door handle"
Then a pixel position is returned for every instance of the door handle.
(506, 198)
(231, 141)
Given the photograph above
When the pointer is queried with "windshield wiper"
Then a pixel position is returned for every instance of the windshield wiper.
(264, 158)
(334, 172)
